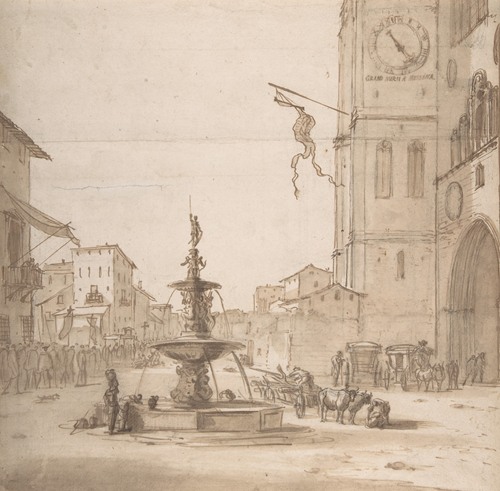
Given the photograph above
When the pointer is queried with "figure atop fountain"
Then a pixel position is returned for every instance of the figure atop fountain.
(194, 263)
(196, 232)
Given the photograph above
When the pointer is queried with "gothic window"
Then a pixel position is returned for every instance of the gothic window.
(479, 175)
(88, 271)
(60, 299)
(109, 271)
(466, 15)
(383, 177)
(400, 275)
(50, 279)
(416, 164)
(100, 271)
(80, 272)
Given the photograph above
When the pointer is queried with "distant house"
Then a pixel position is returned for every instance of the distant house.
(306, 281)
(265, 296)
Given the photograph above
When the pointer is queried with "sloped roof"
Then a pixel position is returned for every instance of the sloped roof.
(23, 137)
(54, 295)
(144, 292)
(309, 266)
(107, 246)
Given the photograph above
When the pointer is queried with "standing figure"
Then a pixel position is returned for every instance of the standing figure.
(111, 399)
(456, 372)
(45, 368)
(480, 365)
(70, 363)
(81, 361)
(92, 362)
(470, 370)
(196, 232)
(450, 367)
(21, 363)
(337, 373)
(31, 366)
(13, 370)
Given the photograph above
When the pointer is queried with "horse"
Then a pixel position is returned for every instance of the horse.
(425, 375)
(335, 400)
(439, 374)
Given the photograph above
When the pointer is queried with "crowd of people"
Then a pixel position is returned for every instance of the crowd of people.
(30, 366)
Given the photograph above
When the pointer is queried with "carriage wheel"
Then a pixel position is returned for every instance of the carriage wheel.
(404, 380)
(300, 406)
(270, 395)
(387, 378)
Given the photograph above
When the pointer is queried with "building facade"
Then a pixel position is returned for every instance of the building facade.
(386, 162)
(468, 204)
(417, 215)
(21, 277)
(304, 282)
(266, 295)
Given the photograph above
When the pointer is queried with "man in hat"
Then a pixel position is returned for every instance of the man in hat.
(337, 368)
(111, 399)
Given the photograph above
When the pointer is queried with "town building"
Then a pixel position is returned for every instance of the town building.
(308, 280)
(467, 201)
(265, 296)
(417, 212)
(21, 277)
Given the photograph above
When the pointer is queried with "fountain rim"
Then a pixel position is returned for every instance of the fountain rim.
(195, 283)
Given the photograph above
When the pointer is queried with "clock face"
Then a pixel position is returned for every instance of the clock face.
(399, 45)
(454, 201)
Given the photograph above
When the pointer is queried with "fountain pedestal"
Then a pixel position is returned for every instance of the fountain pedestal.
(191, 407)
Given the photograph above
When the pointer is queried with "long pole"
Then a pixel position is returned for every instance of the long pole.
(308, 98)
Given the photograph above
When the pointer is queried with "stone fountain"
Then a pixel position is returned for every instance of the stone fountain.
(191, 405)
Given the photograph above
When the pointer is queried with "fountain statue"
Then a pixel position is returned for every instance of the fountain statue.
(191, 405)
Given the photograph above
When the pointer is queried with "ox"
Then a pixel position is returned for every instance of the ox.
(377, 415)
(361, 399)
(335, 400)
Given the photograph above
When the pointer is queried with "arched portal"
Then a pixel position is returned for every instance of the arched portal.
(474, 293)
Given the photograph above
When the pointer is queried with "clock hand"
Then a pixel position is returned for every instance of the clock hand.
(400, 47)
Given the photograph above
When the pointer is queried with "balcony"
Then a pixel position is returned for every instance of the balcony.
(124, 302)
(27, 276)
(94, 298)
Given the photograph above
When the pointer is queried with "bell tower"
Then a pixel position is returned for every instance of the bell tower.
(384, 241)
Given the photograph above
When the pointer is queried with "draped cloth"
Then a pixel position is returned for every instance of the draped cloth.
(40, 220)
(302, 131)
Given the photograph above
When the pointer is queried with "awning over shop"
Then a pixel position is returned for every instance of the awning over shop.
(40, 220)
(84, 311)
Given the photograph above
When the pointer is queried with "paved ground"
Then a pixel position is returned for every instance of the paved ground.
(436, 441)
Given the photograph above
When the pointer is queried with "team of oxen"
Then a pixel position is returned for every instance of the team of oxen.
(352, 400)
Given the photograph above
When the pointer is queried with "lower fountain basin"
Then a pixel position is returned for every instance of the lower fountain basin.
(195, 350)
(244, 416)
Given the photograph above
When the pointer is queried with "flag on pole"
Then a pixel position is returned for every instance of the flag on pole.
(68, 324)
(302, 131)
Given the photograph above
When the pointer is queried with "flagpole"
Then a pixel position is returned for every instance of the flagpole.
(308, 98)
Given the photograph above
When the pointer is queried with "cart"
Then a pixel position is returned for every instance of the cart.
(399, 365)
(274, 387)
(364, 362)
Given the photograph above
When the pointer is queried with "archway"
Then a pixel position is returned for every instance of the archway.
(474, 294)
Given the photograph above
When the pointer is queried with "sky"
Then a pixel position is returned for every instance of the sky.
(142, 104)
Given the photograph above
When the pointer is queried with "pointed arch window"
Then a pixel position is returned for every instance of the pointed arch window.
(400, 258)
(416, 165)
(479, 175)
(383, 171)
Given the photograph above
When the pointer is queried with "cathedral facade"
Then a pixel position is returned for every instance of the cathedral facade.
(416, 217)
